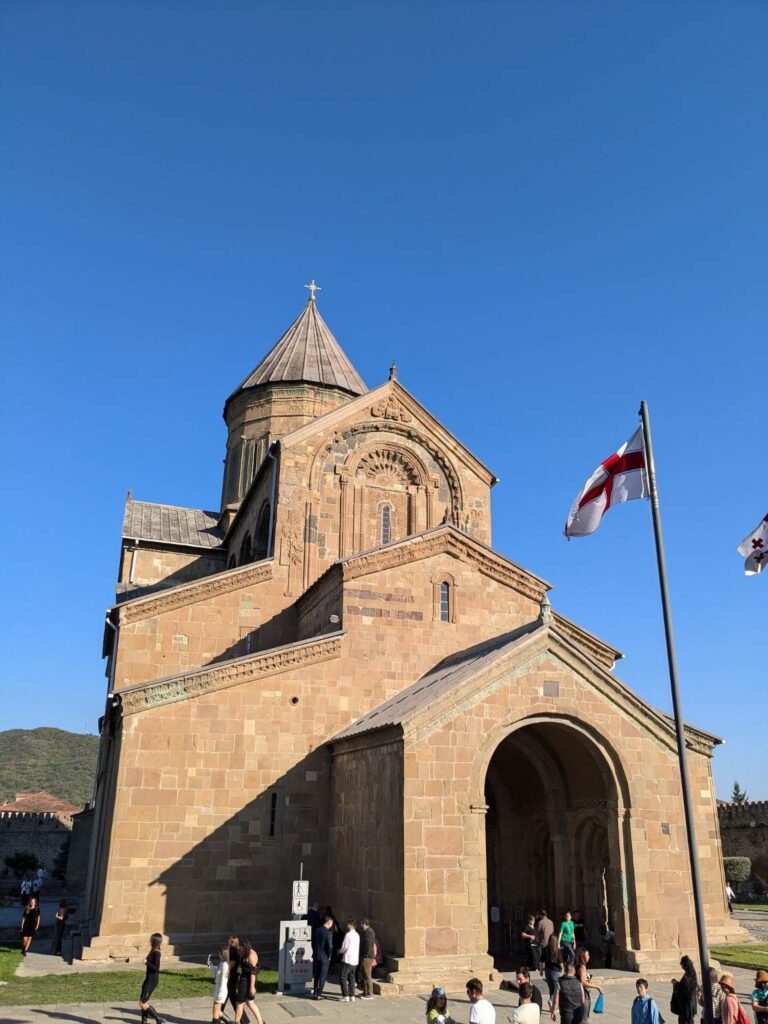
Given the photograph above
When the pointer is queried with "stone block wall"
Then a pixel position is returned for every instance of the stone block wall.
(744, 831)
(45, 835)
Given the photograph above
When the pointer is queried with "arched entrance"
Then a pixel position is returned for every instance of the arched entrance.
(557, 833)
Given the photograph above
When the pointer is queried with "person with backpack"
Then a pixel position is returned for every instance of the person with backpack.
(684, 1002)
(644, 1008)
(732, 1010)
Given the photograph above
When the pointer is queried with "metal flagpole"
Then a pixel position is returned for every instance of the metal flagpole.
(701, 929)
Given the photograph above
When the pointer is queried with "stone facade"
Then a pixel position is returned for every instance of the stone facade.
(371, 690)
(38, 823)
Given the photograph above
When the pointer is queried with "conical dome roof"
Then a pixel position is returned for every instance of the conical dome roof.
(307, 352)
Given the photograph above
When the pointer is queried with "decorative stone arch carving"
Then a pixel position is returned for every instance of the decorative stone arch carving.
(383, 475)
(408, 433)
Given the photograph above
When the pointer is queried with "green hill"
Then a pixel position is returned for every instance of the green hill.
(64, 763)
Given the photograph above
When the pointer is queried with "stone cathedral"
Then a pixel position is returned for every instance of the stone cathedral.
(338, 669)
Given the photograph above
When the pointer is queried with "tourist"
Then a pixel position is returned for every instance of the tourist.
(717, 995)
(582, 973)
(58, 928)
(569, 997)
(608, 937)
(151, 978)
(683, 1001)
(644, 1008)
(246, 982)
(367, 956)
(760, 997)
(350, 958)
(220, 972)
(233, 974)
(566, 937)
(322, 951)
(730, 895)
(544, 929)
(25, 891)
(437, 1008)
(523, 977)
(552, 959)
(314, 920)
(30, 922)
(527, 1011)
(480, 1010)
(528, 935)
(729, 1007)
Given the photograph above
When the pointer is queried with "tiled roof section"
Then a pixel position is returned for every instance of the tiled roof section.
(39, 803)
(448, 674)
(307, 352)
(171, 524)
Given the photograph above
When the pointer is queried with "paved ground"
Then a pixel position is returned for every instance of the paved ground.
(619, 993)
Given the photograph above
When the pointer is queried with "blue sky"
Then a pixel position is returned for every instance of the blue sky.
(543, 212)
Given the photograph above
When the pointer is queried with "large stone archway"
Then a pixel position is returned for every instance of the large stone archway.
(557, 833)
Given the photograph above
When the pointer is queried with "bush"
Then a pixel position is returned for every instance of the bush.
(22, 861)
(737, 869)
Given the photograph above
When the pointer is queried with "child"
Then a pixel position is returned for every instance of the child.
(150, 980)
(220, 972)
(644, 1008)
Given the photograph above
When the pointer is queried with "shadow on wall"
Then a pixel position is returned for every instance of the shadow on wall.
(205, 565)
(238, 879)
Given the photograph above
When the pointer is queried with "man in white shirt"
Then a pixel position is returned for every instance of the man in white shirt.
(527, 1012)
(350, 958)
(480, 1010)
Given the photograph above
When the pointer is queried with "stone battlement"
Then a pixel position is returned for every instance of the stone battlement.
(752, 814)
(21, 821)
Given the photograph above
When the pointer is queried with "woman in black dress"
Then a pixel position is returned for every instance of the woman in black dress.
(684, 993)
(246, 982)
(150, 980)
(30, 922)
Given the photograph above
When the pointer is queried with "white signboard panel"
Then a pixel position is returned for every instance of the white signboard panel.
(295, 962)
(300, 898)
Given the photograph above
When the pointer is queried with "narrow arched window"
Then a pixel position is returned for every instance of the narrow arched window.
(272, 829)
(245, 550)
(262, 538)
(445, 601)
(386, 524)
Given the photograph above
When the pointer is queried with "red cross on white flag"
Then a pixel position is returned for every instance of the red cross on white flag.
(755, 548)
(618, 478)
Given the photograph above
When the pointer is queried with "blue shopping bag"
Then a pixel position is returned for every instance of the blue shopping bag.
(598, 1007)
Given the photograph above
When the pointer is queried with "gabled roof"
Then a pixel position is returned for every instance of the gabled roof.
(171, 524)
(411, 406)
(308, 352)
(449, 673)
(41, 802)
(467, 672)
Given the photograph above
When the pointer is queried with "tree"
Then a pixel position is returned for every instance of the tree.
(739, 795)
(21, 862)
(737, 869)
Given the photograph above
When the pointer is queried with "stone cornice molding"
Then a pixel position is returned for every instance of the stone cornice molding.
(446, 540)
(191, 593)
(172, 689)
(599, 649)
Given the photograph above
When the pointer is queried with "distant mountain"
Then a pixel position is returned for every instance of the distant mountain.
(63, 763)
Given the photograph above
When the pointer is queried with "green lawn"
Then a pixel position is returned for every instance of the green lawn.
(751, 906)
(106, 987)
(742, 956)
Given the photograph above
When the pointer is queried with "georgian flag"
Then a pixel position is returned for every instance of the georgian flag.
(621, 477)
(755, 548)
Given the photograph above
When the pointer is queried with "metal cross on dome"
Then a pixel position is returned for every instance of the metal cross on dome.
(312, 289)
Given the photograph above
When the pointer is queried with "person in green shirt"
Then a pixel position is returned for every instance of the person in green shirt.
(566, 938)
